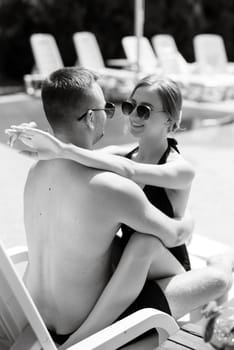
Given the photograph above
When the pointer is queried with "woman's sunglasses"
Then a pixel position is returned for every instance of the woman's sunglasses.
(109, 109)
(143, 111)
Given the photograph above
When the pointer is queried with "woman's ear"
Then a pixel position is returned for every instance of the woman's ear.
(168, 122)
(169, 125)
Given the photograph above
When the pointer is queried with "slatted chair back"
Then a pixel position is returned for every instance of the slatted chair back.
(46, 53)
(21, 326)
(88, 50)
(210, 53)
(147, 58)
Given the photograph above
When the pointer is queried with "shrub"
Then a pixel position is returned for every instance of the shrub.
(109, 21)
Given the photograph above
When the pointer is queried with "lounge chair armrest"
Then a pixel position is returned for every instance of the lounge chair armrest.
(18, 254)
(34, 77)
(127, 329)
(118, 62)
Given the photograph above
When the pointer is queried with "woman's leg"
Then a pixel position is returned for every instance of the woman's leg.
(193, 289)
(128, 280)
(158, 260)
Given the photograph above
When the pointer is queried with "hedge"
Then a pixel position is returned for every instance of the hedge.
(109, 21)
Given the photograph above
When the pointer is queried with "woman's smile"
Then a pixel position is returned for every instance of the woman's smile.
(136, 125)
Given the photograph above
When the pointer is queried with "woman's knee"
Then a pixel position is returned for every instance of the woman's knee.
(221, 279)
(145, 245)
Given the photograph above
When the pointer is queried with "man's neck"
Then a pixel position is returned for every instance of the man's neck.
(68, 138)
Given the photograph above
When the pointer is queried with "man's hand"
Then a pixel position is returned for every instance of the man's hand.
(45, 146)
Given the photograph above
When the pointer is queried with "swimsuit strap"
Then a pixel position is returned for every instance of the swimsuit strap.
(129, 155)
(172, 143)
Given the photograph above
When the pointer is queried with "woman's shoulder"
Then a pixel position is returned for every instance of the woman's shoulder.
(181, 163)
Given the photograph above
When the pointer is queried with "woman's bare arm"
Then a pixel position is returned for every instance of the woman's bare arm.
(176, 174)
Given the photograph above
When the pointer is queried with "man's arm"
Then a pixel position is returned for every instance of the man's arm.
(125, 202)
(133, 208)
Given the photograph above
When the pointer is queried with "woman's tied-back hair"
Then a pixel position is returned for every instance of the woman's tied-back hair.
(65, 92)
(170, 94)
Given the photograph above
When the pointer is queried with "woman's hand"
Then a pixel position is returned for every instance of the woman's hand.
(45, 146)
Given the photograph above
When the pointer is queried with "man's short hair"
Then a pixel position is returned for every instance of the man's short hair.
(64, 91)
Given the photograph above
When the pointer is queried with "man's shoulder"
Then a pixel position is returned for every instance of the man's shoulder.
(111, 184)
(109, 179)
(115, 193)
(32, 168)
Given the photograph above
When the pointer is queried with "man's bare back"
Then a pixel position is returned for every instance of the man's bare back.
(69, 240)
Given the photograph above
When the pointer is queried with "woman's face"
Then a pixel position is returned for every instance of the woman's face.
(156, 125)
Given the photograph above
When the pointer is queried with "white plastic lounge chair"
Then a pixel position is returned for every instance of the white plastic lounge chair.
(47, 59)
(171, 60)
(90, 56)
(22, 328)
(148, 61)
(210, 54)
(164, 44)
(46, 53)
(169, 57)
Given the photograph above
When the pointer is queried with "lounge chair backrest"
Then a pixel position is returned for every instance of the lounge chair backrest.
(46, 53)
(164, 44)
(210, 53)
(21, 326)
(167, 52)
(148, 59)
(88, 51)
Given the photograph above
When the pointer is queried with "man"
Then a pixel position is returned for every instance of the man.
(72, 214)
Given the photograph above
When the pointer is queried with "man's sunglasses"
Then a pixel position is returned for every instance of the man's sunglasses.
(143, 111)
(109, 109)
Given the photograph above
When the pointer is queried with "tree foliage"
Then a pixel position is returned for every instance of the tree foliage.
(109, 21)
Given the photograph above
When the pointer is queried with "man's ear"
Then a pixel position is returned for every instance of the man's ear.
(90, 119)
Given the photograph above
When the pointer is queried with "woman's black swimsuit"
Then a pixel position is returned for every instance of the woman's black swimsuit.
(151, 295)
